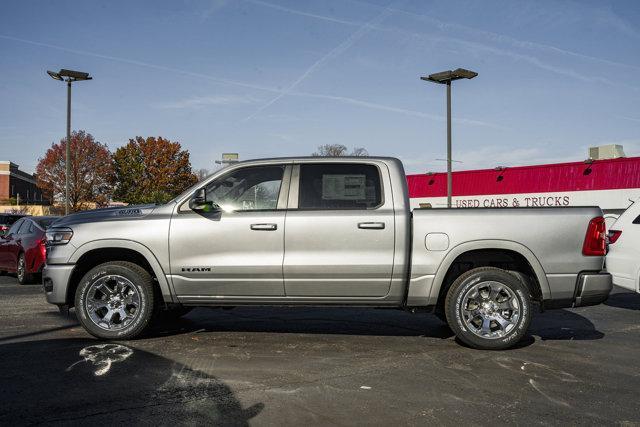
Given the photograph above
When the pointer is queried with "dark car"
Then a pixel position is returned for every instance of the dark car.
(22, 248)
(7, 220)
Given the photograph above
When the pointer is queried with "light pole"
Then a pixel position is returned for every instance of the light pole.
(68, 76)
(446, 77)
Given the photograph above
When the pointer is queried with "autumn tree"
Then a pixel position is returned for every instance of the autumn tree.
(151, 170)
(338, 150)
(92, 174)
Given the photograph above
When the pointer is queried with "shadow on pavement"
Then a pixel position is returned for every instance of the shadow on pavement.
(38, 332)
(550, 325)
(626, 300)
(84, 381)
(563, 325)
(308, 320)
(556, 325)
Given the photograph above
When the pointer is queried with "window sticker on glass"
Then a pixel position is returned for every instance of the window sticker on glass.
(343, 187)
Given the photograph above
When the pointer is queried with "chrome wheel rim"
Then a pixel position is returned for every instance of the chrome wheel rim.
(20, 269)
(112, 302)
(490, 310)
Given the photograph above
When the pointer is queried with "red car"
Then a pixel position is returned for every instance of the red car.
(22, 249)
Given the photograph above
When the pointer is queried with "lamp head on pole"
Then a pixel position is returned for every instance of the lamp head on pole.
(69, 75)
(445, 77)
(54, 75)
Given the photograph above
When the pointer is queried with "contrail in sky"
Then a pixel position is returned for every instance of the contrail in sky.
(382, 107)
(302, 13)
(336, 51)
(288, 91)
(142, 64)
(442, 25)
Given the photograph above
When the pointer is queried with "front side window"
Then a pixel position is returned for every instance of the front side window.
(247, 189)
(339, 186)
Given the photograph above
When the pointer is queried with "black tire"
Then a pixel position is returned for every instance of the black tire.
(140, 279)
(24, 278)
(463, 287)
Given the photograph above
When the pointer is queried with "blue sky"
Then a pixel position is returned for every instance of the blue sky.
(280, 77)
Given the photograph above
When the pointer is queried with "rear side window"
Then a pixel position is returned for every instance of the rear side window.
(339, 186)
(33, 227)
(25, 228)
(15, 227)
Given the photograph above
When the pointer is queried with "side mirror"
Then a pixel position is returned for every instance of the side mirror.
(199, 203)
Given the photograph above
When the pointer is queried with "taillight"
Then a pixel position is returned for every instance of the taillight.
(595, 243)
(3, 228)
(613, 235)
(43, 247)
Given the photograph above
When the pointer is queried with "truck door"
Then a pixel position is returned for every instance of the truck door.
(339, 239)
(237, 250)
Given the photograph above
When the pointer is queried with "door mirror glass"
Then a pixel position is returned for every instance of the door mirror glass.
(199, 202)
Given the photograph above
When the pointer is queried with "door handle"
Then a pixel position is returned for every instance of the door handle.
(264, 227)
(371, 225)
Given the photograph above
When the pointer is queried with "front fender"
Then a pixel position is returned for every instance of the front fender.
(165, 287)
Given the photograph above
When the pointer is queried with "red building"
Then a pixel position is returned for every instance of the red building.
(606, 183)
(15, 183)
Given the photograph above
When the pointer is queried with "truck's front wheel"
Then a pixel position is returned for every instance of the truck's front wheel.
(488, 308)
(115, 300)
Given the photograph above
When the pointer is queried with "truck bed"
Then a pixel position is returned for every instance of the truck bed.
(549, 238)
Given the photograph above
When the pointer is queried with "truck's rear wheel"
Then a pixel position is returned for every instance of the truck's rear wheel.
(115, 300)
(488, 308)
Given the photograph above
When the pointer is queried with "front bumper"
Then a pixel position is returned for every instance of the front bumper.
(592, 289)
(55, 280)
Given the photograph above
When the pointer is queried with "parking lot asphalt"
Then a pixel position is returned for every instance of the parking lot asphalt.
(316, 366)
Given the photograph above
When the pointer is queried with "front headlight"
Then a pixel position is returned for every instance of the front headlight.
(59, 236)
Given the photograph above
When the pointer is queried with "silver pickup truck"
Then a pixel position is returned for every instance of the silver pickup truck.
(324, 231)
